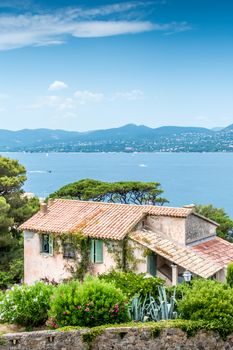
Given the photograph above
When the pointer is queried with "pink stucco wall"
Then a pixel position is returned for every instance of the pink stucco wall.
(38, 265)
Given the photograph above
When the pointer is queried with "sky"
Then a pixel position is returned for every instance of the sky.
(84, 65)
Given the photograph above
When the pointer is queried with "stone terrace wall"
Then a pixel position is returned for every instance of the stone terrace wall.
(116, 339)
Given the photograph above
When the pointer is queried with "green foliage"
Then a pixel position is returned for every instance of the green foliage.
(147, 309)
(180, 290)
(132, 283)
(123, 254)
(82, 246)
(26, 305)
(207, 300)
(12, 275)
(187, 326)
(90, 303)
(230, 274)
(225, 229)
(126, 192)
(14, 209)
(12, 176)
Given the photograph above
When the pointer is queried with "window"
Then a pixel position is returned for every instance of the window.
(47, 244)
(68, 250)
(96, 251)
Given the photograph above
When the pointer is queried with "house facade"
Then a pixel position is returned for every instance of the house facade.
(161, 241)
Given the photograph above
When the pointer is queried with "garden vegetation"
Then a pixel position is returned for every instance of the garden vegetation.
(203, 304)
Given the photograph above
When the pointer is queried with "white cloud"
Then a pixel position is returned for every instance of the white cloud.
(106, 10)
(128, 95)
(58, 103)
(84, 96)
(175, 27)
(54, 28)
(96, 29)
(70, 105)
(57, 85)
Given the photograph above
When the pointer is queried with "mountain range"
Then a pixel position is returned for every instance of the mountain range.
(128, 138)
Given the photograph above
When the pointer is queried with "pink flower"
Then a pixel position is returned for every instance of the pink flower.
(79, 307)
(87, 309)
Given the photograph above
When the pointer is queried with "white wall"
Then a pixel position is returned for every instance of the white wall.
(38, 265)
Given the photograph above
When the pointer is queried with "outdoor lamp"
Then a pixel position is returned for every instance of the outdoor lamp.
(187, 276)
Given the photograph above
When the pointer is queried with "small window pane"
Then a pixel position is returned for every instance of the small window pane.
(96, 251)
(68, 250)
(99, 251)
(47, 244)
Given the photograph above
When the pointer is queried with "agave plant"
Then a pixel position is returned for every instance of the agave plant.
(147, 309)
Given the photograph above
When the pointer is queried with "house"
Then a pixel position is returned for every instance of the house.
(162, 241)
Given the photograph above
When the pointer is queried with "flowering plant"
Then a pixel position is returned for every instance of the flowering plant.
(90, 303)
(26, 305)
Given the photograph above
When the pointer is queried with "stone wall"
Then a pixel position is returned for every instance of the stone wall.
(116, 339)
(198, 229)
(172, 228)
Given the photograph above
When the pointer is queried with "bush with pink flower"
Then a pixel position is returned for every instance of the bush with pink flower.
(91, 303)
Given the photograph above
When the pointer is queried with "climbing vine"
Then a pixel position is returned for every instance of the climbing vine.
(123, 254)
(80, 246)
(82, 260)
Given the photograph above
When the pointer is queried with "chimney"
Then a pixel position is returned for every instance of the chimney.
(190, 206)
(43, 208)
(50, 201)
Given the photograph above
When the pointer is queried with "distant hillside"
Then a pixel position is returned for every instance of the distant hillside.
(128, 138)
(229, 128)
(27, 137)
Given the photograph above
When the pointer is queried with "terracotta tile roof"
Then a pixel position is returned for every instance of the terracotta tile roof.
(196, 262)
(217, 249)
(96, 219)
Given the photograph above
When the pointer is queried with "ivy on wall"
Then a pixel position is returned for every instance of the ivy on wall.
(123, 254)
(80, 264)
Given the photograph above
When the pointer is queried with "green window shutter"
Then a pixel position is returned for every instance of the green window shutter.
(98, 251)
(50, 244)
(92, 250)
(151, 264)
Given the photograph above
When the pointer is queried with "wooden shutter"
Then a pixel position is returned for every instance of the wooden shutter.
(92, 250)
(151, 264)
(98, 251)
(50, 244)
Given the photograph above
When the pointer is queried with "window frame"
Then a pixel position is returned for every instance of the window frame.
(97, 257)
(71, 253)
(50, 244)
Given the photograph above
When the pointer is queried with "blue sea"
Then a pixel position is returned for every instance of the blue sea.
(186, 178)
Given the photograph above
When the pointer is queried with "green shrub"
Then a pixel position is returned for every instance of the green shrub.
(90, 303)
(131, 283)
(230, 274)
(147, 309)
(26, 305)
(207, 300)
